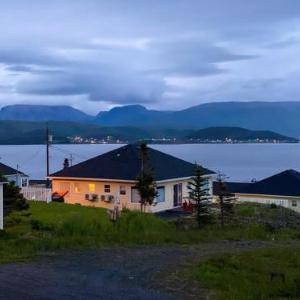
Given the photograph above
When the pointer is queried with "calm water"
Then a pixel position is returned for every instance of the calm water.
(241, 162)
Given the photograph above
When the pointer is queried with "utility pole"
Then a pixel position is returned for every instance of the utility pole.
(47, 155)
(17, 179)
(71, 160)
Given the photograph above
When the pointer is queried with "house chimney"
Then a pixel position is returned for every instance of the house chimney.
(66, 163)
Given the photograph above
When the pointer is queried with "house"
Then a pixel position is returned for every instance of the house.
(109, 179)
(13, 175)
(282, 189)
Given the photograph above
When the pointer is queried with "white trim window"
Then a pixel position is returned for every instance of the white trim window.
(294, 203)
(160, 194)
(122, 190)
(24, 182)
(135, 195)
(107, 188)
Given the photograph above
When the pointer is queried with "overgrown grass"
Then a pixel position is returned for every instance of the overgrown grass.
(50, 227)
(259, 274)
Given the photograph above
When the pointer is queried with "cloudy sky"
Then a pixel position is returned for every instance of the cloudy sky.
(164, 54)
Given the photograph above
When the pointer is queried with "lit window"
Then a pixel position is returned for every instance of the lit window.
(106, 188)
(92, 187)
(77, 188)
(122, 190)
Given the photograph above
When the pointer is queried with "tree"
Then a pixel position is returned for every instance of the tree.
(199, 193)
(145, 179)
(13, 200)
(225, 201)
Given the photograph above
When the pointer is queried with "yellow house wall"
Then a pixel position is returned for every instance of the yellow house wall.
(125, 200)
(79, 197)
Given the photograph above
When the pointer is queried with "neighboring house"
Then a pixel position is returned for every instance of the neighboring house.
(13, 175)
(281, 189)
(109, 179)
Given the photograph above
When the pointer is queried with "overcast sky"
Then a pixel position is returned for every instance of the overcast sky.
(164, 54)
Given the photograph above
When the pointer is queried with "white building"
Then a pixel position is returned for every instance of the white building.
(282, 189)
(13, 175)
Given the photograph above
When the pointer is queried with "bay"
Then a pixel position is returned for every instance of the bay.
(239, 162)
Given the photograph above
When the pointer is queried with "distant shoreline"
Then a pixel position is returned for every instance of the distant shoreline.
(163, 143)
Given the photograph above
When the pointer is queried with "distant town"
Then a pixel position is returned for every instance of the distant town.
(112, 140)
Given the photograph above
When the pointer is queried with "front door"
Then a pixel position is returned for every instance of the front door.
(177, 194)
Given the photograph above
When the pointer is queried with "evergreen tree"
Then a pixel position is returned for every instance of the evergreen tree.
(199, 194)
(225, 201)
(145, 180)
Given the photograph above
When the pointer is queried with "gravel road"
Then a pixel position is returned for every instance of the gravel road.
(110, 273)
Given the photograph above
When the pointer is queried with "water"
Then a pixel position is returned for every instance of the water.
(240, 162)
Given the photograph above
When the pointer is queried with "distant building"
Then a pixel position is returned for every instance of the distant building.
(109, 179)
(13, 175)
(281, 189)
(37, 183)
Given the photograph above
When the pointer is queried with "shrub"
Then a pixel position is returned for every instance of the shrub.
(273, 205)
(13, 199)
(39, 225)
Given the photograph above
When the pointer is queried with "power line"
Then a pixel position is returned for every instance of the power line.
(70, 153)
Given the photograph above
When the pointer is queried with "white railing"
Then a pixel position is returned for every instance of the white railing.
(37, 194)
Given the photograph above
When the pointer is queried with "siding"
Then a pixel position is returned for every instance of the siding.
(82, 187)
(283, 201)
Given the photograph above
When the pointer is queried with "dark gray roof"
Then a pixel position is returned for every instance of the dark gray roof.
(232, 187)
(286, 183)
(124, 164)
(7, 170)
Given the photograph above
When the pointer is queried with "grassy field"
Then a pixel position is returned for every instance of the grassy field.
(259, 274)
(51, 227)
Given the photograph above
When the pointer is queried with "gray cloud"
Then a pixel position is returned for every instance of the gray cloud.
(128, 52)
(103, 83)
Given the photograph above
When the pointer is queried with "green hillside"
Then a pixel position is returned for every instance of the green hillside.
(24, 132)
(237, 134)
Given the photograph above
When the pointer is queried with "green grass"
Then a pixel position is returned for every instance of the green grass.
(51, 227)
(247, 275)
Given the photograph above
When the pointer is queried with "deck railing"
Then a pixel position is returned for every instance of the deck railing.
(40, 194)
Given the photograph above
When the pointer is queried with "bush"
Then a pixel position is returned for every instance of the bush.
(273, 205)
(13, 199)
(39, 225)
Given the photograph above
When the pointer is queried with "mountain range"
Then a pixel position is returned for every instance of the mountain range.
(224, 134)
(25, 132)
(43, 113)
(281, 117)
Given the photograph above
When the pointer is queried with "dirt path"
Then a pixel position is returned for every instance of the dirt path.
(111, 273)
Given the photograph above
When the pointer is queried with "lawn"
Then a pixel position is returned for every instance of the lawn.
(51, 227)
(260, 274)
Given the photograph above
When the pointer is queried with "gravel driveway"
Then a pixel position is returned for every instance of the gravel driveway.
(110, 273)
